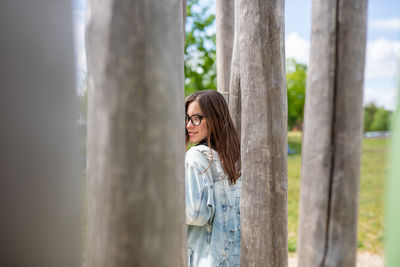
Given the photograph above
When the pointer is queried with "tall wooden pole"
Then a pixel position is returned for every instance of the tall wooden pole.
(225, 19)
(235, 102)
(263, 135)
(136, 148)
(40, 184)
(333, 134)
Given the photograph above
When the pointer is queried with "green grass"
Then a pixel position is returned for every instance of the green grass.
(371, 197)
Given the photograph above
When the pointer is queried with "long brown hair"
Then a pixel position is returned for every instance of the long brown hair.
(222, 134)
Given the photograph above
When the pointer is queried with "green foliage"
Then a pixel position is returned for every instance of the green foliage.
(369, 112)
(292, 245)
(296, 75)
(200, 57)
(375, 118)
(381, 120)
(359, 244)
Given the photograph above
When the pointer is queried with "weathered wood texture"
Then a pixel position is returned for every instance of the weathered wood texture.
(40, 199)
(136, 149)
(235, 107)
(184, 4)
(225, 19)
(333, 134)
(263, 134)
(281, 19)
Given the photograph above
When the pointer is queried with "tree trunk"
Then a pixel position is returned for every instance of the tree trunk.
(333, 134)
(264, 126)
(235, 106)
(135, 134)
(225, 18)
(40, 199)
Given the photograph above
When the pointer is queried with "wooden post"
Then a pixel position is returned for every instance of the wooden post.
(333, 134)
(135, 133)
(235, 104)
(263, 134)
(40, 199)
(225, 31)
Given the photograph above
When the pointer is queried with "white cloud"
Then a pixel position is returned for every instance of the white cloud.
(382, 59)
(297, 47)
(382, 97)
(392, 24)
(381, 70)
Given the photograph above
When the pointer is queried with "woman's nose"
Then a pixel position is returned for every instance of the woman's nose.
(189, 124)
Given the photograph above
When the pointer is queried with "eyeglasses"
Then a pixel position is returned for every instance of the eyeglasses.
(195, 119)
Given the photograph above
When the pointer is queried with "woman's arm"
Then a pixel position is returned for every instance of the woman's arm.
(199, 193)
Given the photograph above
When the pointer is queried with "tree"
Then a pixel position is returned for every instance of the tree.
(136, 214)
(296, 91)
(200, 67)
(331, 153)
(381, 120)
(376, 118)
(369, 113)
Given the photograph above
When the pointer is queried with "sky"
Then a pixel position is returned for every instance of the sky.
(382, 66)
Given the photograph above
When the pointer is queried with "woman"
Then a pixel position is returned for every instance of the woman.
(213, 183)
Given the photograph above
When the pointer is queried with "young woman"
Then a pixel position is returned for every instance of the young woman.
(213, 183)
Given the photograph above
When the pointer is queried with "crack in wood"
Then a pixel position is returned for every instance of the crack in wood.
(333, 141)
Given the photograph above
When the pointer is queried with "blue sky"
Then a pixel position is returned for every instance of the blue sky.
(383, 44)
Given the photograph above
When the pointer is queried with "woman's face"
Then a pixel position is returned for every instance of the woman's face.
(199, 132)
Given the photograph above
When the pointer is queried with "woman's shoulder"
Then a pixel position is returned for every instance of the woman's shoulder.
(196, 152)
(198, 155)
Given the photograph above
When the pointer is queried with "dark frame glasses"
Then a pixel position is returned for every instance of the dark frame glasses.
(195, 119)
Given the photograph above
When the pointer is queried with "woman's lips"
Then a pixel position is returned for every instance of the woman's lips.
(192, 133)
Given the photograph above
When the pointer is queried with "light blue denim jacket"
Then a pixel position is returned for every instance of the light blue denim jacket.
(212, 211)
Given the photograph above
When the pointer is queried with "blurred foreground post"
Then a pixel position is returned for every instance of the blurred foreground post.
(136, 148)
(332, 134)
(259, 76)
(392, 235)
(40, 186)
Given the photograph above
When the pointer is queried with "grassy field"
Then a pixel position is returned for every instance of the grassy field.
(371, 200)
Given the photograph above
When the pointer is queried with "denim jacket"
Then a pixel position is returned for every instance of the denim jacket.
(212, 211)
